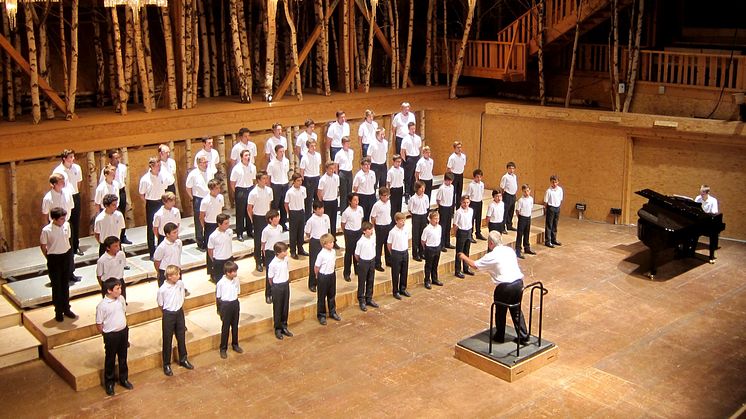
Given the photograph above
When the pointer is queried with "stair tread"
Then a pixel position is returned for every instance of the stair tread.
(16, 338)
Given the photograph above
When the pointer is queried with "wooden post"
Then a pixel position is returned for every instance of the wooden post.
(238, 60)
(408, 56)
(122, 88)
(568, 95)
(188, 154)
(129, 216)
(15, 225)
(100, 62)
(142, 73)
(9, 90)
(92, 177)
(460, 58)
(148, 55)
(170, 61)
(294, 52)
(35, 105)
(635, 64)
(73, 86)
(269, 68)
(429, 44)
(369, 61)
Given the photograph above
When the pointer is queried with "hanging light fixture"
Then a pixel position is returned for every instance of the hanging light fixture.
(11, 7)
(135, 5)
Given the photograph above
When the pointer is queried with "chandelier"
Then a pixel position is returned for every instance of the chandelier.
(11, 7)
(135, 5)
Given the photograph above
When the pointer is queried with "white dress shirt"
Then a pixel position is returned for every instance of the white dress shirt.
(525, 206)
(337, 131)
(278, 271)
(239, 147)
(296, 198)
(401, 123)
(154, 186)
(496, 212)
(120, 174)
(228, 289)
(53, 199)
(412, 144)
(169, 166)
(501, 265)
(272, 142)
(352, 218)
(431, 235)
(271, 235)
(419, 204)
(326, 261)
(212, 206)
(395, 177)
(344, 159)
(377, 151)
(381, 212)
(302, 141)
(425, 168)
(364, 183)
(73, 176)
(261, 199)
(476, 191)
(197, 181)
(444, 196)
(462, 218)
(509, 183)
(107, 225)
(317, 226)
(213, 158)
(329, 187)
(168, 253)
(553, 197)
(104, 189)
(457, 163)
(243, 174)
(164, 216)
(221, 244)
(398, 239)
(278, 171)
(366, 248)
(710, 206)
(109, 266)
(171, 296)
(111, 314)
(311, 164)
(56, 238)
(367, 131)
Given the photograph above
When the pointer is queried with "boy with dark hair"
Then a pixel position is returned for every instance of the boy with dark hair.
(316, 227)
(496, 212)
(476, 194)
(111, 264)
(509, 185)
(279, 277)
(523, 209)
(272, 234)
(111, 322)
(226, 293)
(259, 204)
(352, 218)
(462, 223)
(295, 200)
(168, 252)
(109, 222)
(444, 198)
(419, 206)
(430, 239)
(209, 208)
(55, 246)
(327, 280)
(168, 213)
(220, 247)
(398, 244)
(380, 217)
(365, 255)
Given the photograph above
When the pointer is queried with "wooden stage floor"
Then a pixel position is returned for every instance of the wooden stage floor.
(629, 348)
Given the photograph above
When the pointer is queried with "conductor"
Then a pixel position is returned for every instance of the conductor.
(502, 266)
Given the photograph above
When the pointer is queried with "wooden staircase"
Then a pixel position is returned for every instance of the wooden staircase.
(17, 344)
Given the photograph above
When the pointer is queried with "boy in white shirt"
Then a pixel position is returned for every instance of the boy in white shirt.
(430, 239)
(419, 206)
(380, 217)
(456, 166)
(55, 246)
(271, 234)
(227, 291)
(210, 154)
(709, 206)
(171, 295)
(377, 151)
(242, 183)
(496, 213)
(301, 142)
(111, 322)
(509, 185)
(398, 244)
(278, 169)
(111, 264)
(344, 158)
(364, 185)
(168, 213)
(315, 228)
(552, 201)
(327, 280)
(328, 195)
(444, 198)
(279, 278)
(462, 223)
(365, 254)
(523, 209)
(108, 186)
(259, 204)
(295, 200)
(366, 133)
(310, 171)
(476, 195)
(109, 222)
(352, 219)
(244, 143)
(220, 247)
(276, 139)
(209, 208)
(152, 187)
(168, 252)
(410, 153)
(423, 171)
(395, 183)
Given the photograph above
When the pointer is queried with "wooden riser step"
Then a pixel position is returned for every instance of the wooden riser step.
(81, 363)
(17, 345)
(9, 314)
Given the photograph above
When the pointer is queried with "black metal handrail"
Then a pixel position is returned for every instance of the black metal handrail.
(537, 285)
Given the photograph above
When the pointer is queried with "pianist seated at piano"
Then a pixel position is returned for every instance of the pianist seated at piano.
(709, 203)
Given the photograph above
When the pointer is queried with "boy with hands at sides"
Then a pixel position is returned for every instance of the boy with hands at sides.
(170, 299)
(327, 280)
(279, 277)
(226, 294)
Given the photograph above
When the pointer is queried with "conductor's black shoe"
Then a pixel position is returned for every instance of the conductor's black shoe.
(362, 306)
(379, 268)
(397, 296)
(186, 364)
(237, 349)
(126, 241)
(287, 333)
(322, 321)
(443, 249)
(549, 245)
(371, 303)
(70, 315)
(405, 293)
(497, 339)
(336, 317)
(520, 256)
(529, 252)
(417, 259)
(427, 285)
(347, 278)
(459, 275)
(259, 267)
(167, 370)
(468, 272)
(79, 252)
(240, 238)
(268, 299)
(302, 252)
(473, 240)
(557, 244)
(524, 341)
(126, 384)
(450, 246)
(438, 283)
(223, 354)
(109, 389)
(278, 334)
(59, 317)
(312, 288)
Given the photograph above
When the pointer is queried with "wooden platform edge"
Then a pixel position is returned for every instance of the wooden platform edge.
(503, 371)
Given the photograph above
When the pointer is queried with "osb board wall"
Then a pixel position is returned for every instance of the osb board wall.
(676, 167)
(443, 128)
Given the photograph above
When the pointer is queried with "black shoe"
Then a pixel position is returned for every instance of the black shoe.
(201, 249)
(336, 317)
(473, 240)
(237, 349)
(126, 384)
(127, 267)
(549, 245)
(427, 285)
(79, 252)
(278, 334)
(443, 249)
(468, 272)
(371, 303)
(520, 256)
(512, 229)
(268, 299)
(167, 370)
(438, 283)
(322, 321)
(312, 288)
(417, 259)
(109, 389)
(397, 296)
(557, 243)
(259, 267)
(450, 246)
(405, 293)
(287, 333)
(524, 341)
(126, 241)
(302, 252)
(77, 278)
(380, 268)
(460, 275)
(294, 255)
(347, 278)
(497, 339)
(223, 354)
(362, 306)
(59, 317)
(529, 252)
(481, 237)
(186, 364)
(240, 238)
(70, 315)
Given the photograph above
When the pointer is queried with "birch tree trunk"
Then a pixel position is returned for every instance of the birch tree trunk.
(213, 49)
(269, 68)
(392, 41)
(122, 85)
(395, 45)
(111, 63)
(144, 20)
(186, 45)
(434, 43)
(460, 58)
(30, 35)
(237, 58)
(578, 9)
(100, 62)
(195, 53)
(360, 55)
(243, 32)
(635, 64)
(369, 61)
(294, 50)
(323, 46)
(429, 44)
(8, 69)
(170, 61)
(615, 55)
(224, 61)
(142, 73)
(44, 59)
(188, 154)
(205, 50)
(408, 56)
(345, 45)
(73, 87)
(18, 73)
(445, 43)
(129, 50)
(540, 53)
(63, 54)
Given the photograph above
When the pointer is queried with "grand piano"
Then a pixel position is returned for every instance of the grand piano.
(675, 222)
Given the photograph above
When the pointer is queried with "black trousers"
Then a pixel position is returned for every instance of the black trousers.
(229, 314)
(268, 256)
(173, 323)
(312, 186)
(446, 213)
(60, 270)
(365, 149)
(365, 276)
(367, 202)
(259, 221)
(199, 234)
(428, 187)
(123, 209)
(297, 221)
(115, 348)
(171, 188)
(397, 194)
(326, 293)
(351, 239)
(380, 171)
(345, 189)
(216, 269)
(509, 293)
(499, 227)
(550, 224)
(280, 305)
(278, 201)
(509, 209)
(419, 222)
(330, 209)
(75, 223)
(209, 229)
(409, 166)
(314, 247)
(397, 145)
(463, 243)
(458, 188)
(432, 258)
(382, 235)
(524, 230)
(477, 218)
(333, 152)
(243, 222)
(151, 207)
(399, 270)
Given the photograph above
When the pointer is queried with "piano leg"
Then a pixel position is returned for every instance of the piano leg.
(653, 266)
(713, 246)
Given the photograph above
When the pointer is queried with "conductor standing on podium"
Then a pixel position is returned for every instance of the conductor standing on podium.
(501, 264)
